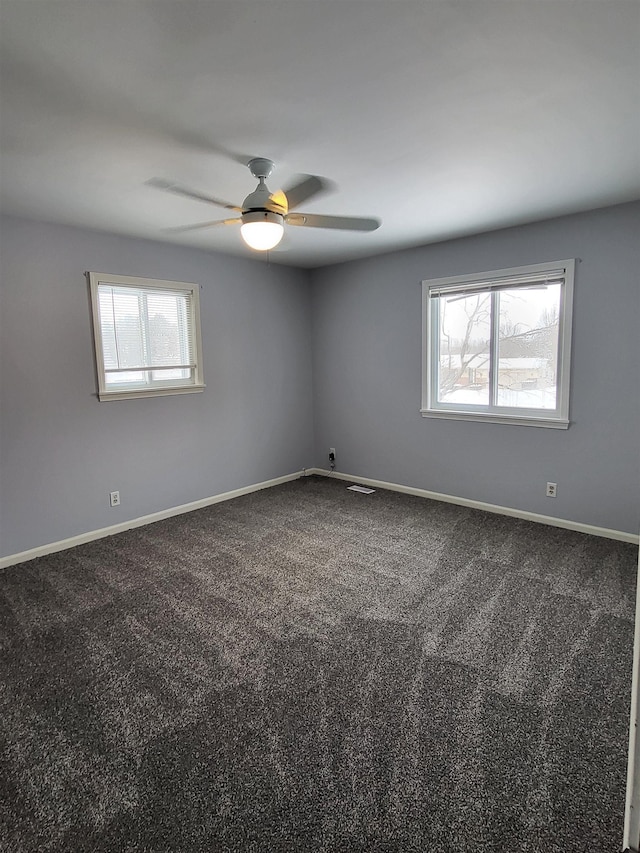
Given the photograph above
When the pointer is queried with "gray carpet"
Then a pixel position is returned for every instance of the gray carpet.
(311, 669)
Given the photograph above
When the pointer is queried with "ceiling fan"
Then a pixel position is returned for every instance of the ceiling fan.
(263, 214)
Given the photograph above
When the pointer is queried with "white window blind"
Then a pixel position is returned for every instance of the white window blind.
(457, 287)
(147, 336)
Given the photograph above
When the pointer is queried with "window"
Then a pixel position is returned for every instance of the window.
(147, 336)
(496, 346)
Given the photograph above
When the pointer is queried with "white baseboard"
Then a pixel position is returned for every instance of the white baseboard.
(63, 544)
(578, 526)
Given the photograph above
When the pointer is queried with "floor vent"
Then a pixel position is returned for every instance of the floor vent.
(361, 489)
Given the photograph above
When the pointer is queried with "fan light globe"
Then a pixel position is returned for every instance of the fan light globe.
(261, 229)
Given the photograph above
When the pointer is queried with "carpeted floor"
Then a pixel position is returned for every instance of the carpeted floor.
(311, 669)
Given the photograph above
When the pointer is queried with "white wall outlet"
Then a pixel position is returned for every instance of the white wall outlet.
(552, 490)
(114, 498)
(332, 450)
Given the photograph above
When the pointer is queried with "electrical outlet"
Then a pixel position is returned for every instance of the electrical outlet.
(114, 498)
(552, 490)
(332, 452)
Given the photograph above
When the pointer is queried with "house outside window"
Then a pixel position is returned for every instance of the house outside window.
(497, 345)
(147, 336)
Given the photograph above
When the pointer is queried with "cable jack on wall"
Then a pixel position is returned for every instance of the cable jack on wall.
(332, 458)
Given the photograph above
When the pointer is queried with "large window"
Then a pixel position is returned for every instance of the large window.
(496, 346)
(147, 336)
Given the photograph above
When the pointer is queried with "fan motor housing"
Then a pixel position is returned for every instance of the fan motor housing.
(262, 199)
(258, 199)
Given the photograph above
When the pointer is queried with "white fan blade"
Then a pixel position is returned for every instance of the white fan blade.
(344, 223)
(308, 187)
(178, 228)
(170, 187)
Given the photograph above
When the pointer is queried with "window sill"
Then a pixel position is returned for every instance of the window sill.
(149, 392)
(494, 418)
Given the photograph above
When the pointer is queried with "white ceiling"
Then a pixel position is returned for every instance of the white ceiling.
(441, 118)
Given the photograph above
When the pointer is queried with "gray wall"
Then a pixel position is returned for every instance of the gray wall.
(367, 375)
(62, 451)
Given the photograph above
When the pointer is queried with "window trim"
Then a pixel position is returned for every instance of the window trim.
(493, 281)
(135, 282)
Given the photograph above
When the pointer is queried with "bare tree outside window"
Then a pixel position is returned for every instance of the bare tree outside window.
(527, 347)
(465, 329)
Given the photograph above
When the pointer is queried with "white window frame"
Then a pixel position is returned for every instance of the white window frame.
(154, 388)
(492, 281)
